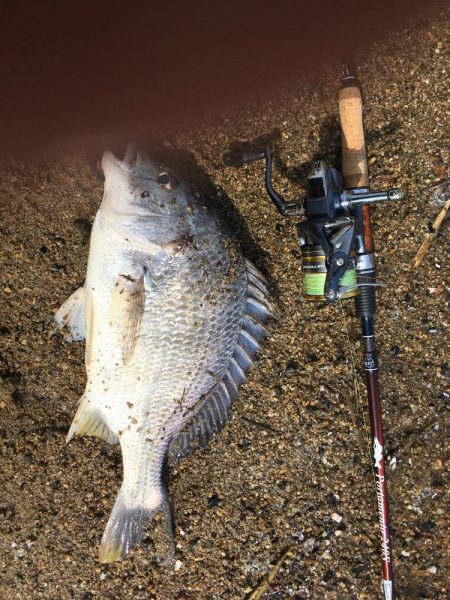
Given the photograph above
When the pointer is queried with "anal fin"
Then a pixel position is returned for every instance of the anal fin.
(89, 422)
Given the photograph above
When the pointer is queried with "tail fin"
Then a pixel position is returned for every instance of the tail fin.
(126, 529)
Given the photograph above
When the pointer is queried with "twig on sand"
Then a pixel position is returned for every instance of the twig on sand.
(259, 425)
(270, 577)
(430, 237)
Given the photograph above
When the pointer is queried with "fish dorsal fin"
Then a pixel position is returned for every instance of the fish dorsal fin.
(213, 413)
(88, 422)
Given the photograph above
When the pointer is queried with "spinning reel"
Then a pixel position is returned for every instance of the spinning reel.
(335, 262)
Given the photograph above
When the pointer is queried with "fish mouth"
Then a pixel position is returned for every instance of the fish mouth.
(130, 158)
(112, 158)
(138, 163)
(135, 162)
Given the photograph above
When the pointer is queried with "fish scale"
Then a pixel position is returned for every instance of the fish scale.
(172, 316)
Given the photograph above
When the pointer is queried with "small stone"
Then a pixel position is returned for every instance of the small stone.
(405, 553)
(432, 570)
(308, 546)
(103, 576)
(336, 517)
(327, 555)
(437, 464)
(178, 565)
(213, 501)
(427, 526)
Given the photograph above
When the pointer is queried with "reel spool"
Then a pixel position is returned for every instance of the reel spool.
(314, 269)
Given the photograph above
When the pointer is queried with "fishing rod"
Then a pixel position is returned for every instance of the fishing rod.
(338, 259)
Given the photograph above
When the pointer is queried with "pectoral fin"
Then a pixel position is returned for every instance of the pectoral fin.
(127, 308)
(70, 319)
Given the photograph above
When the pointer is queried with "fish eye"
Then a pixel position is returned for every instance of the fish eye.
(166, 181)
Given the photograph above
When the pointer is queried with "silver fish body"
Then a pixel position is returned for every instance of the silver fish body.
(172, 315)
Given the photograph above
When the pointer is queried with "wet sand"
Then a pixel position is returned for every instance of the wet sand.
(292, 469)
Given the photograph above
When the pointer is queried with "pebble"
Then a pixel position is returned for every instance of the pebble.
(178, 565)
(432, 570)
(437, 464)
(308, 546)
(213, 501)
(336, 517)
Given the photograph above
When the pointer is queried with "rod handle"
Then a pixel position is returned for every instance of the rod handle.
(355, 171)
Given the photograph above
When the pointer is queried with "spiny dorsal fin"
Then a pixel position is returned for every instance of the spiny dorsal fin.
(88, 422)
(213, 414)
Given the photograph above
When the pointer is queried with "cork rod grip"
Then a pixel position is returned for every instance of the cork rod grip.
(355, 171)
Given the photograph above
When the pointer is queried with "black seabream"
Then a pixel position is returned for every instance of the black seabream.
(172, 317)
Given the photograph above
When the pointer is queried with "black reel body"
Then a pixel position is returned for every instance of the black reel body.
(327, 239)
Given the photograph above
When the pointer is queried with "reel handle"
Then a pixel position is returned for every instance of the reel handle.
(237, 159)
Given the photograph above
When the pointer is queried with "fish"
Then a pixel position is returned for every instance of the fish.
(172, 316)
